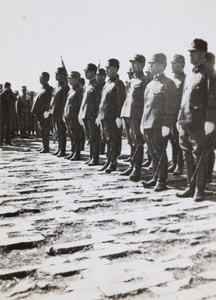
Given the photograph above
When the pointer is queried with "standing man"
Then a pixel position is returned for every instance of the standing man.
(112, 99)
(23, 106)
(157, 119)
(57, 105)
(88, 113)
(178, 64)
(131, 113)
(40, 105)
(7, 101)
(70, 115)
(196, 120)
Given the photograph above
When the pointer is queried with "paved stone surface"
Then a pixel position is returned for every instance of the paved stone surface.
(68, 231)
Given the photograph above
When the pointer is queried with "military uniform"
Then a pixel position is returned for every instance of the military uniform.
(57, 105)
(131, 113)
(71, 111)
(177, 155)
(23, 106)
(112, 99)
(41, 104)
(198, 106)
(88, 113)
(159, 112)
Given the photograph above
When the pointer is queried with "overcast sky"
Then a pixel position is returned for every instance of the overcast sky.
(36, 33)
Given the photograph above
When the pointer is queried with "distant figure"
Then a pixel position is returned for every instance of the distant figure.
(7, 102)
(23, 106)
(40, 105)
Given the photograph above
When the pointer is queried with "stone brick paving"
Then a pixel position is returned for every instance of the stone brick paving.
(68, 231)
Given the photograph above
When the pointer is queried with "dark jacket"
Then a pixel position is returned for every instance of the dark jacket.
(59, 97)
(159, 103)
(134, 103)
(7, 102)
(73, 103)
(199, 98)
(112, 99)
(41, 102)
(91, 100)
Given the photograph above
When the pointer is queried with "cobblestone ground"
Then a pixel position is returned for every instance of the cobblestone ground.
(68, 231)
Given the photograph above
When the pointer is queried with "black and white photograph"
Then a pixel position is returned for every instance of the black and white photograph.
(107, 150)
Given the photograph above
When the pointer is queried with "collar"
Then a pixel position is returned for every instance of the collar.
(138, 75)
(114, 78)
(198, 68)
(179, 74)
(158, 77)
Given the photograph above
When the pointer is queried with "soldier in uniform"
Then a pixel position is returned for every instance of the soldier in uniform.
(178, 64)
(131, 113)
(157, 119)
(209, 63)
(57, 105)
(7, 102)
(112, 99)
(70, 115)
(40, 105)
(196, 120)
(88, 113)
(23, 106)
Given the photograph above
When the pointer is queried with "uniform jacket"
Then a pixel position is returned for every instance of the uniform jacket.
(23, 104)
(42, 101)
(73, 103)
(7, 102)
(91, 100)
(112, 99)
(179, 79)
(58, 100)
(134, 103)
(199, 98)
(159, 103)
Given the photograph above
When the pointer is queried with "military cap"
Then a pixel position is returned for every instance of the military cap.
(74, 74)
(178, 58)
(112, 62)
(199, 44)
(101, 71)
(24, 87)
(45, 74)
(61, 71)
(210, 57)
(138, 58)
(159, 57)
(7, 84)
(91, 67)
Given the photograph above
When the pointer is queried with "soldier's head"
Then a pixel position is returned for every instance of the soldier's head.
(90, 71)
(61, 74)
(82, 82)
(24, 89)
(74, 78)
(1, 87)
(137, 63)
(7, 86)
(16, 93)
(44, 78)
(209, 61)
(177, 63)
(157, 64)
(101, 75)
(198, 50)
(112, 67)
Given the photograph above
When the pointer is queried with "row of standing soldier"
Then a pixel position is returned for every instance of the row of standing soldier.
(187, 103)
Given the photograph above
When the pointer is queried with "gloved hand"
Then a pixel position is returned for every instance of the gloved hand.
(97, 121)
(208, 127)
(46, 114)
(118, 122)
(165, 131)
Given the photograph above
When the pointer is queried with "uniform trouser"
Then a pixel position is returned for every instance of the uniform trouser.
(5, 127)
(93, 132)
(111, 135)
(177, 154)
(156, 146)
(74, 130)
(194, 143)
(45, 125)
(135, 140)
(61, 132)
(24, 121)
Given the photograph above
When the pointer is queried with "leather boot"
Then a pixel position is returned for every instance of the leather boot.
(199, 195)
(178, 170)
(111, 168)
(148, 184)
(160, 186)
(186, 193)
(127, 172)
(69, 156)
(200, 182)
(135, 175)
(172, 167)
(137, 162)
